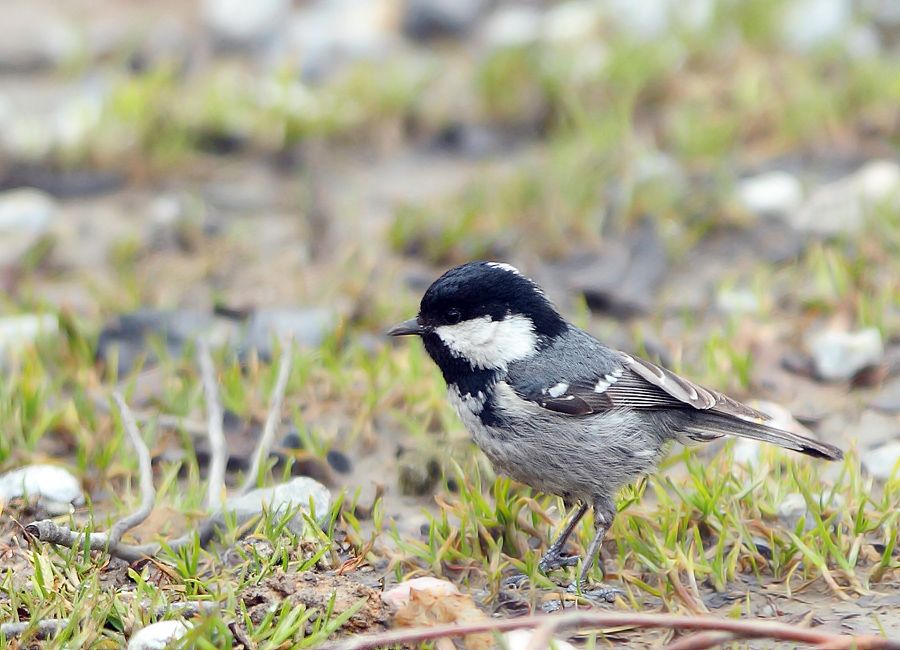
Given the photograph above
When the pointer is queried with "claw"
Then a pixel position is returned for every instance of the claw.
(515, 581)
(600, 593)
(550, 562)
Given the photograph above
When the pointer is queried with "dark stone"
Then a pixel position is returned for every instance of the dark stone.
(339, 461)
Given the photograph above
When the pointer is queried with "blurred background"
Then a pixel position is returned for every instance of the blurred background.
(713, 183)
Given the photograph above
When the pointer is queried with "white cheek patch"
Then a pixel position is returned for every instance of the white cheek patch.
(487, 343)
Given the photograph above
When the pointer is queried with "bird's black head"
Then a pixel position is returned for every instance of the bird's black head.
(482, 316)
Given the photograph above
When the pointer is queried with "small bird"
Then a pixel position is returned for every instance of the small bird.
(557, 410)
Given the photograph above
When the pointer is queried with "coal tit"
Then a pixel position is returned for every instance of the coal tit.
(557, 410)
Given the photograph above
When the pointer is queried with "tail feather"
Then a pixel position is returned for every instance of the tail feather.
(713, 425)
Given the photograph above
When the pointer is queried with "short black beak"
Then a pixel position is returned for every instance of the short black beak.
(406, 328)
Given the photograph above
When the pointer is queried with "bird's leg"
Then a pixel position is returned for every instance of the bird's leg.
(554, 558)
(604, 513)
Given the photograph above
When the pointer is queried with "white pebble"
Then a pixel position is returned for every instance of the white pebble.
(521, 640)
(882, 462)
(838, 356)
(774, 193)
(55, 487)
(158, 635)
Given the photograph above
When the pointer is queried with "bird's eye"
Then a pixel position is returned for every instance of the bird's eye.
(453, 316)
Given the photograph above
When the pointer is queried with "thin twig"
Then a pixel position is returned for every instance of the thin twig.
(163, 420)
(739, 628)
(215, 417)
(148, 492)
(701, 641)
(261, 453)
(45, 628)
(541, 637)
(47, 531)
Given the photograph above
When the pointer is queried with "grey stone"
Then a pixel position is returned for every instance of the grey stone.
(774, 193)
(887, 400)
(245, 24)
(20, 331)
(808, 24)
(647, 20)
(128, 340)
(25, 210)
(305, 326)
(425, 20)
(323, 36)
(838, 355)
(841, 206)
(525, 639)
(792, 508)
(26, 215)
(511, 26)
(279, 500)
(574, 21)
(623, 279)
(882, 461)
(885, 13)
(55, 488)
(158, 636)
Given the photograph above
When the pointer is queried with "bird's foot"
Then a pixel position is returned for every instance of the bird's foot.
(515, 581)
(555, 560)
(551, 560)
(599, 593)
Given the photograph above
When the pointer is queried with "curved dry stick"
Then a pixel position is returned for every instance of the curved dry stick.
(47, 531)
(261, 453)
(215, 417)
(738, 628)
(701, 641)
(148, 492)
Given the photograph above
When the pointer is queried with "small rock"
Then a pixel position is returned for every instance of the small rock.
(26, 216)
(398, 596)
(323, 36)
(158, 636)
(838, 355)
(624, 278)
(841, 206)
(25, 210)
(791, 508)
(573, 21)
(644, 20)
(808, 24)
(305, 326)
(774, 193)
(281, 498)
(17, 332)
(245, 24)
(425, 20)
(737, 301)
(881, 462)
(56, 489)
(521, 640)
(885, 13)
(511, 26)
(128, 340)
(339, 461)
(418, 476)
(747, 452)
(862, 42)
(887, 400)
